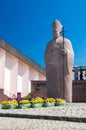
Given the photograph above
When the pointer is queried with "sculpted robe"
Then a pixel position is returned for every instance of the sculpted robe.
(59, 69)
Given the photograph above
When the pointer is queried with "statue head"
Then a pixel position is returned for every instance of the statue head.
(56, 28)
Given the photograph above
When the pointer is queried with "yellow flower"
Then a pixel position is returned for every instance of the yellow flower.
(9, 102)
(24, 102)
(37, 100)
(60, 100)
(50, 100)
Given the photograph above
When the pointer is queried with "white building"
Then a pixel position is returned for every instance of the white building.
(17, 71)
(79, 73)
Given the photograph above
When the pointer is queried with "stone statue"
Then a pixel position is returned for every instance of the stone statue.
(59, 57)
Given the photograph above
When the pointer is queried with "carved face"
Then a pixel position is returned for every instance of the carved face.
(56, 34)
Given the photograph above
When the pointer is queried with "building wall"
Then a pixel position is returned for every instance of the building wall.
(15, 75)
(2, 66)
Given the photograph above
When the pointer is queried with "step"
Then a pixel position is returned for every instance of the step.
(75, 112)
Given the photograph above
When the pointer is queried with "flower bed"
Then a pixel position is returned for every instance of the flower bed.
(49, 102)
(60, 102)
(24, 104)
(9, 104)
(37, 102)
(34, 103)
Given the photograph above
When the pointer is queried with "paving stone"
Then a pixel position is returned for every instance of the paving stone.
(37, 124)
(71, 110)
(74, 110)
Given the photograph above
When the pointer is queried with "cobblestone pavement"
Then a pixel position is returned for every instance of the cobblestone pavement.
(38, 124)
(73, 110)
(70, 110)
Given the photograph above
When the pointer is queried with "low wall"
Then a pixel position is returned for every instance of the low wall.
(2, 95)
(38, 88)
(78, 90)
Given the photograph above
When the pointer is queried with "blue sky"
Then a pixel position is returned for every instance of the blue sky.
(26, 25)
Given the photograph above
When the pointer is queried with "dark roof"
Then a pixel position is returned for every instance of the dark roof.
(80, 68)
(21, 56)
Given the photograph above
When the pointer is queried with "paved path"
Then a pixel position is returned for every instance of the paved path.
(36, 124)
(74, 111)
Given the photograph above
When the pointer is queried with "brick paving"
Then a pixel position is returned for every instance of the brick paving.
(73, 110)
